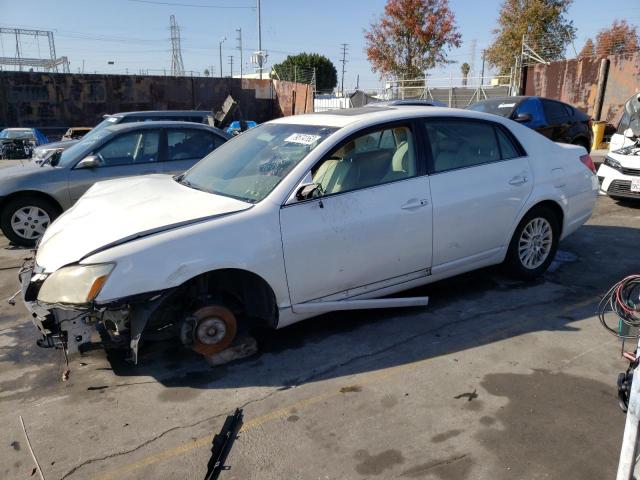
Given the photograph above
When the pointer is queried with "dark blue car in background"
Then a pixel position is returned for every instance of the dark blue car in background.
(553, 119)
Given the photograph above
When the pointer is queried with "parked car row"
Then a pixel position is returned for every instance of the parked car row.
(348, 206)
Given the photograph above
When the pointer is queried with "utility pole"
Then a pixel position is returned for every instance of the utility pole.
(482, 74)
(344, 61)
(239, 38)
(259, 39)
(231, 64)
(220, 46)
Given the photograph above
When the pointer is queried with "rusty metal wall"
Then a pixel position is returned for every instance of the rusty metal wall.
(61, 100)
(575, 82)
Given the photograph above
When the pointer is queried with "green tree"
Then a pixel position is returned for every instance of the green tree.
(544, 24)
(411, 37)
(206, 72)
(300, 67)
(465, 68)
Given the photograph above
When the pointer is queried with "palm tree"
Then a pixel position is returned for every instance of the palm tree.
(465, 68)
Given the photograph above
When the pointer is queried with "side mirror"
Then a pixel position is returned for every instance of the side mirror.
(628, 133)
(90, 161)
(308, 191)
(523, 117)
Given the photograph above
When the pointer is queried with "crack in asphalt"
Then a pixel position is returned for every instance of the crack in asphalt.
(162, 434)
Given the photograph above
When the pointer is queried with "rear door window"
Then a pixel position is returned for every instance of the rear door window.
(555, 112)
(462, 143)
(184, 144)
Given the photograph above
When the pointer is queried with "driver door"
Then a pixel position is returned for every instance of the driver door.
(129, 154)
(370, 226)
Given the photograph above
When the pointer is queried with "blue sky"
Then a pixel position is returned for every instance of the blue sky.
(135, 35)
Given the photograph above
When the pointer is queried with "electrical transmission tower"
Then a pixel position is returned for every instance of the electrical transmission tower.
(177, 67)
(344, 61)
(20, 60)
(231, 65)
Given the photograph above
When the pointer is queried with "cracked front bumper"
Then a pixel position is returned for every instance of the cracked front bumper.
(117, 324)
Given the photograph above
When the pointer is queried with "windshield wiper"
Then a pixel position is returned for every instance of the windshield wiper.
(187, 183)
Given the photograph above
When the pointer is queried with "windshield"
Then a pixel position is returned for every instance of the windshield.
(16, 133)
(69, 156)
(250, 166)
(503, 107)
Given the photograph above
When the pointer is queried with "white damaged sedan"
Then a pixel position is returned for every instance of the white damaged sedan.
(300, 216)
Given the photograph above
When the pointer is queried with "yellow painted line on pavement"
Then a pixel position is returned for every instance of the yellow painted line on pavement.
(248, 425)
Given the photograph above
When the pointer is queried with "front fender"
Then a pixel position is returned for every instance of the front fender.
(168, 259)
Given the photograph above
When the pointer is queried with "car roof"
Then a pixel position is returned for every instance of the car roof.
(19, 129)
(374, 115)
(123, 127)
(159, 113)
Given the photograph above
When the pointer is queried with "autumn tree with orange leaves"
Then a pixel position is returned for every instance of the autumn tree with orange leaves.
(411, 37)
(620, 37)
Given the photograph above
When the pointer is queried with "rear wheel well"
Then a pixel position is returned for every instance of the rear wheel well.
(248, 295)
(554, 207)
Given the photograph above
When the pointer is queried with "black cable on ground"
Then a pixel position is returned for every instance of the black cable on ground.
(623, 299)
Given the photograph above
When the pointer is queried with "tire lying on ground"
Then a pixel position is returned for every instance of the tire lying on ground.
(24, 219)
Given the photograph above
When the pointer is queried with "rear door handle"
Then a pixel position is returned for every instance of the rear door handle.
(518, 180)
(415, 203)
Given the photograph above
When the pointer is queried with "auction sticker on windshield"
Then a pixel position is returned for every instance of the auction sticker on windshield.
(635, 185)
(302, 138)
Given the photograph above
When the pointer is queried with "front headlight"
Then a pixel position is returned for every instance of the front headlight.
(78, 284)
(612, 163)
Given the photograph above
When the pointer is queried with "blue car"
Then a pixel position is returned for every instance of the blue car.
(235, 128)
(20, 142)
(555, 120)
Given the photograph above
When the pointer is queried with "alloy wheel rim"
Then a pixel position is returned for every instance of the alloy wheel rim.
(535, 243)
(30, 222)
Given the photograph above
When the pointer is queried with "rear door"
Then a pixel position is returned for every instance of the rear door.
(480, 179)
(558, 119)
(187, 146)
(128, 154)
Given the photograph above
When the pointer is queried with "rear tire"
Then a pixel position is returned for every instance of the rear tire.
(534, 244)
(24, 219)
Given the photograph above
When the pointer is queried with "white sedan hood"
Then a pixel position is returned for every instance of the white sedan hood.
(117, 211)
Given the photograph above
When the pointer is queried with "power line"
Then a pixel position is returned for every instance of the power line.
(172, 4)
(344, 61)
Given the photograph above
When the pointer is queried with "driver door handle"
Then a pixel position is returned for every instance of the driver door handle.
(415, 203)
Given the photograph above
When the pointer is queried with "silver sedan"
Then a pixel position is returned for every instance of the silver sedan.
(33, 195)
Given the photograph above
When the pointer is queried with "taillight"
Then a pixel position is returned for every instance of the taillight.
(588, 162)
